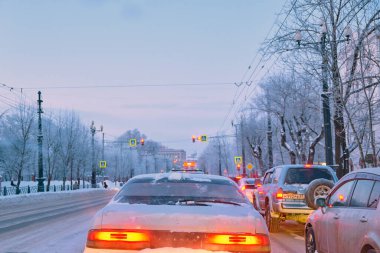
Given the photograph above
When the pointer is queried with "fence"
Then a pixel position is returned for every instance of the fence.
(12, 190)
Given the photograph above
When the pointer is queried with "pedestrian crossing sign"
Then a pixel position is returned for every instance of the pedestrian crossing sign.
(102, 164)
(238, 159)
(132, 142)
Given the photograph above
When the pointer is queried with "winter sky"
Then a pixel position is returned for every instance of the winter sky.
(46, 45)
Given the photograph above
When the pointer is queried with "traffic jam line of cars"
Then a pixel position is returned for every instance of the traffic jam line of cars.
(199, 211)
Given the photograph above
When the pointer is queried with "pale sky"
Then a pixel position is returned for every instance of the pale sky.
(50, 43)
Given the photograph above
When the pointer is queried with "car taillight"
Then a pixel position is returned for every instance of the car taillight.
(117, 235)
(279, 193)
(226, 239)
(243, 187)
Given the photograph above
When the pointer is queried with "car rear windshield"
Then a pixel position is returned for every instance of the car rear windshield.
(306, 175)
(252, 181)
(170, 192)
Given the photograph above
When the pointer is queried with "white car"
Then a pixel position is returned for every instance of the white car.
(348, 220)
(249, 185)
(178, 209)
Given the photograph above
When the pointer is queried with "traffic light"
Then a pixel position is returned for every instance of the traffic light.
(193, 138)
(142, 142)
(238, 166)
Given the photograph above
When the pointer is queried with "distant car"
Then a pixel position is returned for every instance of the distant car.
(349, 218)
(248, 186)
(288, 192)
(178, 209)
(236, 179)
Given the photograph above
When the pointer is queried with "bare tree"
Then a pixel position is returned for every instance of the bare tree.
(18, 130)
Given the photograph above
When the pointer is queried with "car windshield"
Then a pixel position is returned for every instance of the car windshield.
(165, 191)
(306, 175)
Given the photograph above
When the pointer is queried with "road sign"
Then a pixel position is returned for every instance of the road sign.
(249, 166)
(203, 138)
(132, 142)
(238, 159)
(102, 164)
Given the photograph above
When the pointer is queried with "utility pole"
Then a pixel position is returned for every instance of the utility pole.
(242, 147)
(242, 144)
(40, 178)
(220, 158)
(103, 155)
(269, 139)
(326, 104)
(93, 173)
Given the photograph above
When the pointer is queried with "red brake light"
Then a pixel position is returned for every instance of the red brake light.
(279, 193)
(117, 235)
(117, 239)
(261, 240)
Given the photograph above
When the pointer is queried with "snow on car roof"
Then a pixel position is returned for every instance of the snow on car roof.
(177, 175)
(369, 170)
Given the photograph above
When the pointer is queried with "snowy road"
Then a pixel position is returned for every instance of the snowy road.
(58, 223)
(49, 223)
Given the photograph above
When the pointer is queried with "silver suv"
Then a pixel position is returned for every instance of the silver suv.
(288, 192)
(349, 218)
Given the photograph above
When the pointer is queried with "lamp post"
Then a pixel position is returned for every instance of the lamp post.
(93, 174)
(40, 179)
(244, 174)
(325, 87)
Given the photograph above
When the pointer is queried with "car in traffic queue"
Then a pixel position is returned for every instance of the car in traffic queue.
(248, 186)
(288, 192)
(348, 220)
(178, 209)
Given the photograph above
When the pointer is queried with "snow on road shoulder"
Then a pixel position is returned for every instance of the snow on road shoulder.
(46, 196)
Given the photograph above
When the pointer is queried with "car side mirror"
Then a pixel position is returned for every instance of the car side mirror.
(320, 202)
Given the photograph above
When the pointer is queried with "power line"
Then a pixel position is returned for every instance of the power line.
(260, 63)
(128, 86)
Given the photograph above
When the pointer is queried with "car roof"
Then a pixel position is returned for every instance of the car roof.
(375, 171)
(180, 175)
(299, 166)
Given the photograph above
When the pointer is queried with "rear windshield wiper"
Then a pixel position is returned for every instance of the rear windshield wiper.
(190, 202)
(220, 202)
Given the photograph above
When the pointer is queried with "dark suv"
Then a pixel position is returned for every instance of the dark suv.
(288, 192)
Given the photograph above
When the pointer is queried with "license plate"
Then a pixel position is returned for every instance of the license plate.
(293, 196)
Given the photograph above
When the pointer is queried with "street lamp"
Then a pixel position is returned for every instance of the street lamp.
(93, 174)
(40, 179)
(325, 87)
(242, 144)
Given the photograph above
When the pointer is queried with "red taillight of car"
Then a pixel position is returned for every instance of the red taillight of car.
(279, 193)
(117, 239)
(226, 239)
(117, 235)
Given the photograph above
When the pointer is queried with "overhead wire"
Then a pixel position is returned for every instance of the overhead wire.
(256, 68)
(262, 64)
(128, 85)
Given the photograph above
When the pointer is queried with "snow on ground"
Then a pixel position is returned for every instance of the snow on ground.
(58, 183)
(32, 198)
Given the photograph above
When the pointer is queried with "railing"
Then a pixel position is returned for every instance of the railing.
(12, 190)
